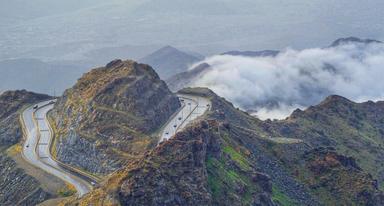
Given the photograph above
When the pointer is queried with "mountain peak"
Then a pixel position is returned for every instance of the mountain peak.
(336, 99)
(120, 106)
(169, 61)
(350, 40)
(168, 48)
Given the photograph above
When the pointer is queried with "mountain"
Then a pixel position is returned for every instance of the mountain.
(108, 117)
(183, 79)
(264, 53)
(324, 155)
(349, 40)
(17, 186)
(168, 61)
(36, 75)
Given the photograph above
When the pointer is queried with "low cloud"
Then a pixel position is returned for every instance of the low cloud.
(275, 86)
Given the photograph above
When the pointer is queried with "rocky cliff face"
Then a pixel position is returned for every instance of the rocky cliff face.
(16, 187)
(108, 117)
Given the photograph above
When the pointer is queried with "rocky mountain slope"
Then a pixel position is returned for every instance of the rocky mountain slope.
(109, 115)
(354, 129)
(169, 61)
(16, 187)
(231, 158)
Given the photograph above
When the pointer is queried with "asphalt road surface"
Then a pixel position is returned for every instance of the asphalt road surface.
(192, 108)
(36, 147)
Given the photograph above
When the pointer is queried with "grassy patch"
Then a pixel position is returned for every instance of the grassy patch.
(14, 150)
(67, 191)
(237, 157)
(280, 198)
(224, 182)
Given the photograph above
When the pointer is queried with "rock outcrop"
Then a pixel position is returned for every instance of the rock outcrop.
(108, 117)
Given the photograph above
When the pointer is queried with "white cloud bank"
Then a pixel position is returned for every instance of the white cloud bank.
(275, 86)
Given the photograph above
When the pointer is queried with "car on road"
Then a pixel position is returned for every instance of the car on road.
(167, 133)
(180, 118)
(36, 106)
(175, 126)
(27, 146)
(52, 102)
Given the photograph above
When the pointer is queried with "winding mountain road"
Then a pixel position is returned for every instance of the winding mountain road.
(192, 107)
(36, 150)
(38, 137)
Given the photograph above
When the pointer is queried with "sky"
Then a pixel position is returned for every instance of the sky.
(66, 30)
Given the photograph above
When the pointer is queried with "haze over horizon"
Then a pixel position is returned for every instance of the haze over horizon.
(57, 30)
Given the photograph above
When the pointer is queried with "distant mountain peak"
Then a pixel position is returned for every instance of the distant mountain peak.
(168, 50)
(168, 47)
(169, 61)
(349, 40)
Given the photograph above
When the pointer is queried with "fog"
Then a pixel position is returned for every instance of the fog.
(275, 86)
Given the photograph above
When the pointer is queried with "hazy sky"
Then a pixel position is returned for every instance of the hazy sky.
(67, 29)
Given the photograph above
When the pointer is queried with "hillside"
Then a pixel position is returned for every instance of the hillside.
(231, 158)
(169, 61)
(108, 117)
